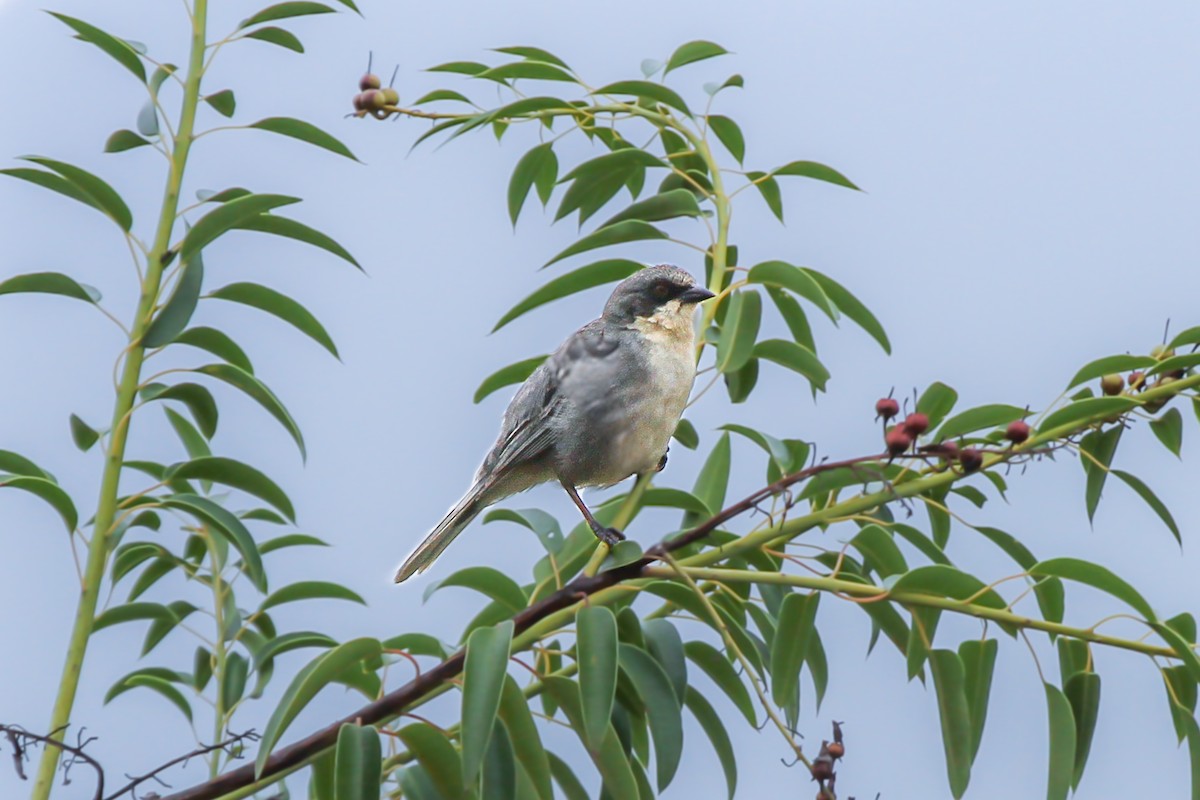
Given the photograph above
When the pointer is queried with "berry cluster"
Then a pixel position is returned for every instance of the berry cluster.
(374, 99)
(1115, 384)
(899, 439)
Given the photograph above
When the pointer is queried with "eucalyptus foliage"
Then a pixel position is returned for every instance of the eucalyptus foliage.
(610, 644)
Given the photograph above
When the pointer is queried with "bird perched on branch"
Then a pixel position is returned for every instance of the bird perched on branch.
(601, 408)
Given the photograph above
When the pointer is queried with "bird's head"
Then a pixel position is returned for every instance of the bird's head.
(663, 291)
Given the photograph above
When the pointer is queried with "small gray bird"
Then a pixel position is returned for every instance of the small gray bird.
(601, 408)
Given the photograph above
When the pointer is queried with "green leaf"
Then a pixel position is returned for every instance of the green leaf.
(82, 434)
(1100, 446)
(460, 67)
(147, 119)
(91, 189)
(1062, 744)
(775, 449)
(257, 391)
(768, 187)
(131, 612)
(979, 418)
(483, 679)
(949, 681)
(123, 140)
(571, 787)
(979, 663)
(507, 376)
(280, 305)
(50, 283)
(816, 171)
(283, 11)
(537, 167)
(227, 216)
(664, 643)
(597, 646)
(794, 316)
(198, 400)
(608, 755)
(315, 676)
(879, 551)
(487, 581)
(305, 132)
(597, 274)
(648, 90)
(713, 480)
(118, 49)
(740, 383)
(850, 305)
(936, 402)
(686, 435)
(946, 581)
(729, 134)
(662, 707)
(795, 357)
(1135, 483)
(225, 523)
(233, 684)
(217, 343)
(291, 229)
(1184, 362)
(544, 526)
(1105, 366)
(442, 94)
(310, 590)
(175, 314)
(155, 682)
(1091, 408)
(797, 620)
(277, 36)
(1083, 691)
(722, 673)
(739, 332)
(500, 773)
(439, 758)
(1096, 576)
(527, 70)
(692, 52)
(802, 282)
(526, 742)
(223, 102)
(47, 490)
(1169, 430)
(1049, 591)
(710, 721)
(1183, 649)
(596, 181)
(357, 763)
(667, 205)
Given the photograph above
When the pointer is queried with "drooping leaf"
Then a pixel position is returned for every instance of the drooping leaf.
(123, 140)
(796, 358)
(226, 523)
(1169, 430)
(949, 681)
(48, 491)
(257, 391)
(667, 205)
(797, 618)
(1105, 366)
(199, 402)
(291, 229)
(722, 673)
(713, 480)
(936, 402)
(97, 193)
(816, 171)
(1095, 408)
(710, 721)
(597, 646)
(802, 282)
(175, 314)
(1062, 744)
(279, 305)
(686, 435)
(218, 343)
(739, 332)
(526, 742)
(662, 709)
(1096, 454)
(223, 102)
(357, 763)
(537, 167)
(648, 90)
(227, 216)
(311, 679)
(50, 283)
(298, 8)
(692, 52)
(438, 756)
(730, 135)
(979, 663)
(1096, 576)
(592, 275)
(488, 581)
(768, 187)
(310, 590)
(507, 376)
(277, 36)
(305, 132)
(82, 434)
(119, 49)
(1160, 508)
(1083, 692)
(483, 680)
(608, 755)
(853, 308)
(155, 682)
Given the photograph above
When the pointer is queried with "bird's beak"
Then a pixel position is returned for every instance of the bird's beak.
(695, 294)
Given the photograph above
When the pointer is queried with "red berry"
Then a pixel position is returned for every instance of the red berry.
(897, 441)
(950, 449)
(1017, 431)
(887, 408)
(916, 424)
(1135, 379)
(971, 460)
(369, 81)
(360, 102)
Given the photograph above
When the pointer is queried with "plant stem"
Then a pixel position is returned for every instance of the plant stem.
(98, 549)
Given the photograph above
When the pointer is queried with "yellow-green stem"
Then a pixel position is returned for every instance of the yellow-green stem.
(98, 548)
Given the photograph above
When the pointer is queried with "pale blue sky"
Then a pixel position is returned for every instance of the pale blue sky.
(1031, 199)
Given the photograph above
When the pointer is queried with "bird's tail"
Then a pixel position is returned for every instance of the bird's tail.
(440, 537)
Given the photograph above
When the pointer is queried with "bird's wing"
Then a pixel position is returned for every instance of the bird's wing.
(528, 430)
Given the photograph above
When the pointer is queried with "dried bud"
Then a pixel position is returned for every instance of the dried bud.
(369, 81)
(1112, 384)
(1017, 431)
(897, 441)
(971, 460)
(886, 408)
(822, 768)
(916, 424)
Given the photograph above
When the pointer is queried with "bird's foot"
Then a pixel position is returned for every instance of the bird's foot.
(662, 463)
(610, 536)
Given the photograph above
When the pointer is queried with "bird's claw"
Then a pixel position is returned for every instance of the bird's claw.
(662, 463)
(610, 536)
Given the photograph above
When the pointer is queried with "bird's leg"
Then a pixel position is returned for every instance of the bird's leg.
(610, 536)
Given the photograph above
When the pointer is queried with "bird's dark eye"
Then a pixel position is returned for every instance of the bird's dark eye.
(661, 290)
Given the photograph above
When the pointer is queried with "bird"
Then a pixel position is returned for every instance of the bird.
(600, 408)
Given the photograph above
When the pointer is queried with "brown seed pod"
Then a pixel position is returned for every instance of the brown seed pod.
(1017, 431)
(837, 750)
(822, 768)
(916, 424)
(1112, 384)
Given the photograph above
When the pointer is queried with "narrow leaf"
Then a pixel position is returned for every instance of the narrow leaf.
(590, 276)
(47, 490)
(597, 645)
(1062, 744)
(257, 391)
(729, 134)
(225, 523)
(797, 618)
(118, 49)
(1096, 576)
(662, 708)
(1135, 483)
(1105, 366)
(228, 216)
(305, 132)
(483, 680)
(280, 305)
(99, 194)
(979, 663)
(357, 763)
(290, 228)
(285, 10)
(310, 590)
(123, 140)
(50, 283)
(1169, 430)
(507, 376)
(175, 314)
(795, 357)
(980, 418)
(954, 712)
(739, 332)
(692, 52)
(650, 91)
(710, 721)
(277, 36)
